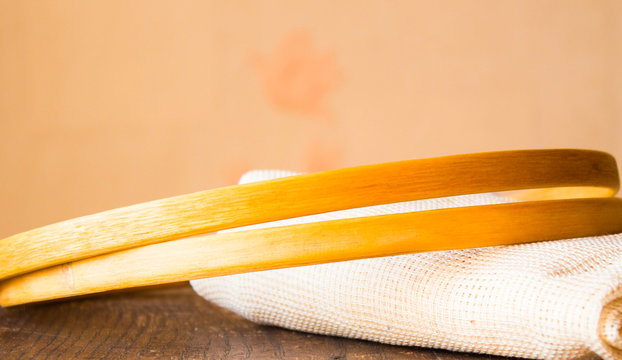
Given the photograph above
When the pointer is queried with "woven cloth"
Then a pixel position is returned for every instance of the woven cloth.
(547, 300)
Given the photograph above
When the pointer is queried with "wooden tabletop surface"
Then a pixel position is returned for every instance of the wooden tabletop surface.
(172, 323)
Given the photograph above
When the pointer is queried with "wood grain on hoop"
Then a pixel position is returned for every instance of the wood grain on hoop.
(229, 207)
(320, 242)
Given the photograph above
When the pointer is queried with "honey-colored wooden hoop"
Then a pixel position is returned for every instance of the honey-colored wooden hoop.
(240, 205)
(320, 242)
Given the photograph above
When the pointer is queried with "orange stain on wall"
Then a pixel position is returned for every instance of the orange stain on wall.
(323, 156)
(298, 76)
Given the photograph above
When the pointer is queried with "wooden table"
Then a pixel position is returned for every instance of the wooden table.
(172, 323)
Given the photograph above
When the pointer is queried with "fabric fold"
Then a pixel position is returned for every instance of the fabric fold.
(547, 300)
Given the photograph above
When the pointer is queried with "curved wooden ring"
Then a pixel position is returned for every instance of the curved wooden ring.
(319, 242)
(240, 205)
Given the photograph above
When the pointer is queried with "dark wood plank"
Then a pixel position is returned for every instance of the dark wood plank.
(172, 323)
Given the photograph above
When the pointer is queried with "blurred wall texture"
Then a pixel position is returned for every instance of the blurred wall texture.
(108, 103)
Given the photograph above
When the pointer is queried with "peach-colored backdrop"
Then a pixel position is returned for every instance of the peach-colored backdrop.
(108, 103)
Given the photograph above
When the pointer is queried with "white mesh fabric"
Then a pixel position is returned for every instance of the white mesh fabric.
(540, 300)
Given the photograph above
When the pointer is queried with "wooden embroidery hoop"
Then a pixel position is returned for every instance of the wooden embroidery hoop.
(144, 244)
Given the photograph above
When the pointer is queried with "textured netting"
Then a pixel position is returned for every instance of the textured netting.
(548, 300)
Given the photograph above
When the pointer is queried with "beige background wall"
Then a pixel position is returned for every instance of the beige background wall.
(108, 103)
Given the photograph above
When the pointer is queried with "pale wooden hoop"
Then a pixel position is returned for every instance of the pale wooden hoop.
(314, 243)
(229, 207)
